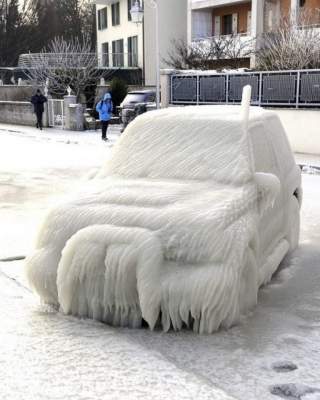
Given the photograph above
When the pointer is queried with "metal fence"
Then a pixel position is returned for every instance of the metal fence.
(297, 89)
(56, 113)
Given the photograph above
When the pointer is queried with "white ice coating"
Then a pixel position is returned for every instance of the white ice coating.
(168, 232)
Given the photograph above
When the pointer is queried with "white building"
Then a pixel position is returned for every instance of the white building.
(243, 17)
(124, 44)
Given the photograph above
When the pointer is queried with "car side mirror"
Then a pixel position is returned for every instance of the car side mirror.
(268, 189)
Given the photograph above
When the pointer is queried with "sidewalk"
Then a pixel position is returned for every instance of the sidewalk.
(92, 137)
(308, 160)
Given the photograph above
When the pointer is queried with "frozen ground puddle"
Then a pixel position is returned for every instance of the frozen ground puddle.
(292, 391)
(284, 366)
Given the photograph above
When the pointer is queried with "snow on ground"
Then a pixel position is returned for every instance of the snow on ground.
(273, 354)
(36, 166)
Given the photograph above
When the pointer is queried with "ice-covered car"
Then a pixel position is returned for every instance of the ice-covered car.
(192, 213)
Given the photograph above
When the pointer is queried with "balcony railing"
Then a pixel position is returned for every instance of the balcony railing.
(243, 36)
(78, 60)
(118, 60)
(228, 46)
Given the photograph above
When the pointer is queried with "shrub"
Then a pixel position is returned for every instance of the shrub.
(119, 90)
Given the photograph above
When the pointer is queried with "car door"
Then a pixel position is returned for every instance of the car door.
(271, 223)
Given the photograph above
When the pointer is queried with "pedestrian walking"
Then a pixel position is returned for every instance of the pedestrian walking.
(104, 108)
(38, 101)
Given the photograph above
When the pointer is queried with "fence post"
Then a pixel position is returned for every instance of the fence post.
(260, 89)
(166, 87)
(46, 114)
(198, 89)
(67, 100)
(298, 89)
(227, 88)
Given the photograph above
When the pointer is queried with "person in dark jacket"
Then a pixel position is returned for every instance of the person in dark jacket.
(38, 101)
(104, 108)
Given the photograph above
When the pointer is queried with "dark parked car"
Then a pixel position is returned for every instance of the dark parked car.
(134, 104)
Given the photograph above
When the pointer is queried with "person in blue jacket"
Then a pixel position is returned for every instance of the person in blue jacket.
(104, 108)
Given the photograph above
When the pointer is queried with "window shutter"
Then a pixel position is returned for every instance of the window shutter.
(217, 25)
(235, 23)
(99, 19)
(249, 31)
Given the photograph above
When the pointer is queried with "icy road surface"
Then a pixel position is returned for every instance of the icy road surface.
(273, 354)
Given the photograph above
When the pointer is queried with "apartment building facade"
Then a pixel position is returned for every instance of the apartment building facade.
(245, 18)
(123, 44)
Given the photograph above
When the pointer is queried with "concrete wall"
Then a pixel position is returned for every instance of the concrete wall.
(302, 128)
(173, 25)
(20, 113)
(16, 93)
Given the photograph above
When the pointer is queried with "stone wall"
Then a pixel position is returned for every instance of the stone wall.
(16, 93)
(19, 112)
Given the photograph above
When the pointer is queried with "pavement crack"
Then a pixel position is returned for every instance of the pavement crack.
(11, 259)
(15, 281)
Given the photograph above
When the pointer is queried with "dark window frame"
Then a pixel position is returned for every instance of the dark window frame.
(105, 54)
(132, 43)
(115, 13)
(103, 22)
(117, 53)
(130, 4)
(227, 24)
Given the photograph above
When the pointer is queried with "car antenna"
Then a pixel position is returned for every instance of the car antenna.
(245, 106)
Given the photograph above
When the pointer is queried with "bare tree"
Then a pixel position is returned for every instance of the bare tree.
(215, 52)
(290, 46)
(63, 64)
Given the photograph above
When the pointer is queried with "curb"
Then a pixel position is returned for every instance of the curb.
(309, 168)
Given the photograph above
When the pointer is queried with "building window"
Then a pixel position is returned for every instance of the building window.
(130, 4)
(105, 54)
(103, 18)
(117, 53)
(115, 10)
(302, 3)
(133, 51)
(227, 25)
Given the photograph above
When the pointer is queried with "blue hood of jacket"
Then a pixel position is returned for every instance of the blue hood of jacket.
(104, 108)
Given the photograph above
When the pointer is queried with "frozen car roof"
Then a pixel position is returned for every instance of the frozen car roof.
(217, 111)
(198, 143)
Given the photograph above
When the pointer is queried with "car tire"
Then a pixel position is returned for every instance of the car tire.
(293, 223)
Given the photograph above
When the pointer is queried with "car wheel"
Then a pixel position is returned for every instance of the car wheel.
(294, 223)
